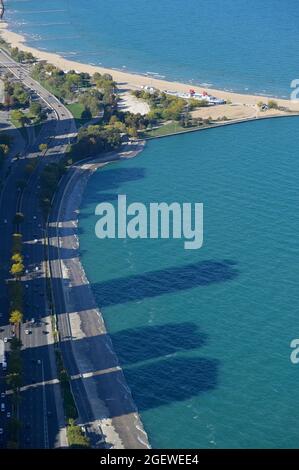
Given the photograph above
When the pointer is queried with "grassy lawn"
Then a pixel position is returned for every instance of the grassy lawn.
(171, 128)
(21, 129)
(76, 109)
(165, 129)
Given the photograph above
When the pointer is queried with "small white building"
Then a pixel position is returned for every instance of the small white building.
(149, 89)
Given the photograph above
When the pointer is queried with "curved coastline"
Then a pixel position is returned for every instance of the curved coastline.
(111, 402)
(115, 426)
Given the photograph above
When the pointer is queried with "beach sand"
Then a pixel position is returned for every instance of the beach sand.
(132, 81)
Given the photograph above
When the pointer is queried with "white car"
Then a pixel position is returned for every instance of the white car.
(27, 332)
(1, 431)
(2, 407)
(8, 414)
(2, 394)
(5, 340)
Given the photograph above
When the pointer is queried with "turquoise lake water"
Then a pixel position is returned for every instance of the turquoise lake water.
(203, 336)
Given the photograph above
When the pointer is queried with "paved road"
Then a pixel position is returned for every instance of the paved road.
(96, 396)
(41, 408)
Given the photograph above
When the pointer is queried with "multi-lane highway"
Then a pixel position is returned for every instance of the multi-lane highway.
(41, 410)
(97, 381)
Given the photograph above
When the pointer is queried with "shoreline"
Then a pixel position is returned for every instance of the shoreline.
(113, 407)
(126, 427)
(134, 81)
(223, 124)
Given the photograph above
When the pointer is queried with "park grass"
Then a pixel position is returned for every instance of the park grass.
(172, 128)
(20, 128)
(165, 129)
(77, 109)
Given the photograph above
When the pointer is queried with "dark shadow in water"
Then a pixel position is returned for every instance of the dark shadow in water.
(110, 180)
(172, 380)
(164, 281)
(148, 342)
(156, 384)
(148, 285)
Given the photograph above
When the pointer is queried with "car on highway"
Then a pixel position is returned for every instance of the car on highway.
(2, 407)
(2, 394)
(8, 415)
(5, 339)
(1, 431)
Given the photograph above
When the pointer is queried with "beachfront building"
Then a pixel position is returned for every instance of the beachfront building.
(192, 94)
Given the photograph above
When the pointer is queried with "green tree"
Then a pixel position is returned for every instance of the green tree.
(19, 117)
(15, 317)
(272, 104)
(17, 270)
(17, 258)
(76, 437)
(35, 109)
(43, 148)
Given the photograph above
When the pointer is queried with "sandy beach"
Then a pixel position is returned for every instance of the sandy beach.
(132, 81)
